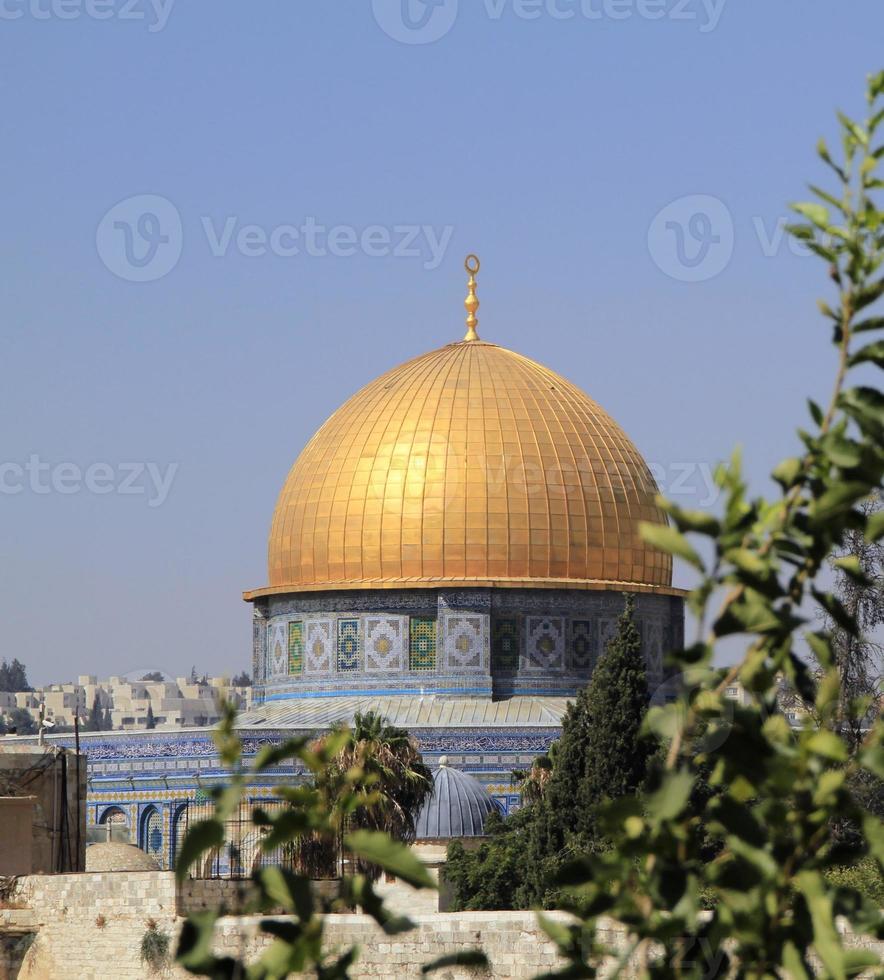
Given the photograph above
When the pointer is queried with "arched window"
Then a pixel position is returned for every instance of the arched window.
(152, 832)
(179, 829)
(114, 819)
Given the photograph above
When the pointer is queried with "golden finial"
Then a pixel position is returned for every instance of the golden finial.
(472, 301)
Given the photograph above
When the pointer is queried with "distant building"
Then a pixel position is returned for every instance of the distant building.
(180, 703)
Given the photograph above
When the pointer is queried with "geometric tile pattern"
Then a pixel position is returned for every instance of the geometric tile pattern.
(259, 650)
(607, 631)
(319, 646)
(581, 644)
(277, 645)
(652, 648)
(463, 642)
(505, 644)
(422, 643)
(385, 644)
(152, 834)
(546, 643)
(296, 647)
(348, 645)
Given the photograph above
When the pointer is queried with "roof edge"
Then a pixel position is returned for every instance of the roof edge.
(590, 585)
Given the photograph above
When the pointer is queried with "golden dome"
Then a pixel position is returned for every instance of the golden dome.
(468, 466)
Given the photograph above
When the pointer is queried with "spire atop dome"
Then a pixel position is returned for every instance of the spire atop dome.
(472, 266)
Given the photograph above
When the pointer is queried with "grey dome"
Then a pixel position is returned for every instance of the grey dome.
(457, 807)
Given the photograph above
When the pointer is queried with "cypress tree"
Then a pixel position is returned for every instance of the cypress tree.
(93, 723)
(617, 753)
(150, 721)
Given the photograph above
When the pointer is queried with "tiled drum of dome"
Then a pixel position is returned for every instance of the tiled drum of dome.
(607, 632)
(546, 643)
(348, 645)
(277, 643)
(384, 646)
(259, 651)
(581, 644)
(652, 643)
(462, 643)
(422, 643)
(505, 645)
(296, 647)
(318, 654)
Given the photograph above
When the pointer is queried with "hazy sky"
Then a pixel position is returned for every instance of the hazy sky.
(166, 348)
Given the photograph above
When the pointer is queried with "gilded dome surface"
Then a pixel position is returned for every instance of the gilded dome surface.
(468, 466)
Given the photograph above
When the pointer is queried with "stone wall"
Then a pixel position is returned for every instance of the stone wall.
(90, 926)
(55, 781)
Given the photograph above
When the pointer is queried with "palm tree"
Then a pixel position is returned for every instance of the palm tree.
(383, 766)
(532, 782)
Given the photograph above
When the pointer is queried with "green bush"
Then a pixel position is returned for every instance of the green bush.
(865, 877)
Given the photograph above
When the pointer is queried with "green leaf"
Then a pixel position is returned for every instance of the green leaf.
(293, 892)
(844, 453)
(872, 323)
(271, 756)
(788, 472)
(821, 645)
(837, 499)
(872, 759)
(873, 353)
(835, 608)
(205, 835)
(672, 797)
(796, 965)
(669, 540)
(558, 932)
(868, 295)
(194, 951)
(827, 745)
(852, 567)
(875, 526)
(825, 934)
(698, 521)
(873, 830)
(814, 213)
(469, 959)
(358, 891)
(395, 858)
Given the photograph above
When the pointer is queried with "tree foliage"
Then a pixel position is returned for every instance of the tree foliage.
(778, 792)
(345, 770)
(13, 677)
(394, 781)
(602, 754)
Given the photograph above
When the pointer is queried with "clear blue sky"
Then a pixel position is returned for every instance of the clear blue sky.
(546, 145)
